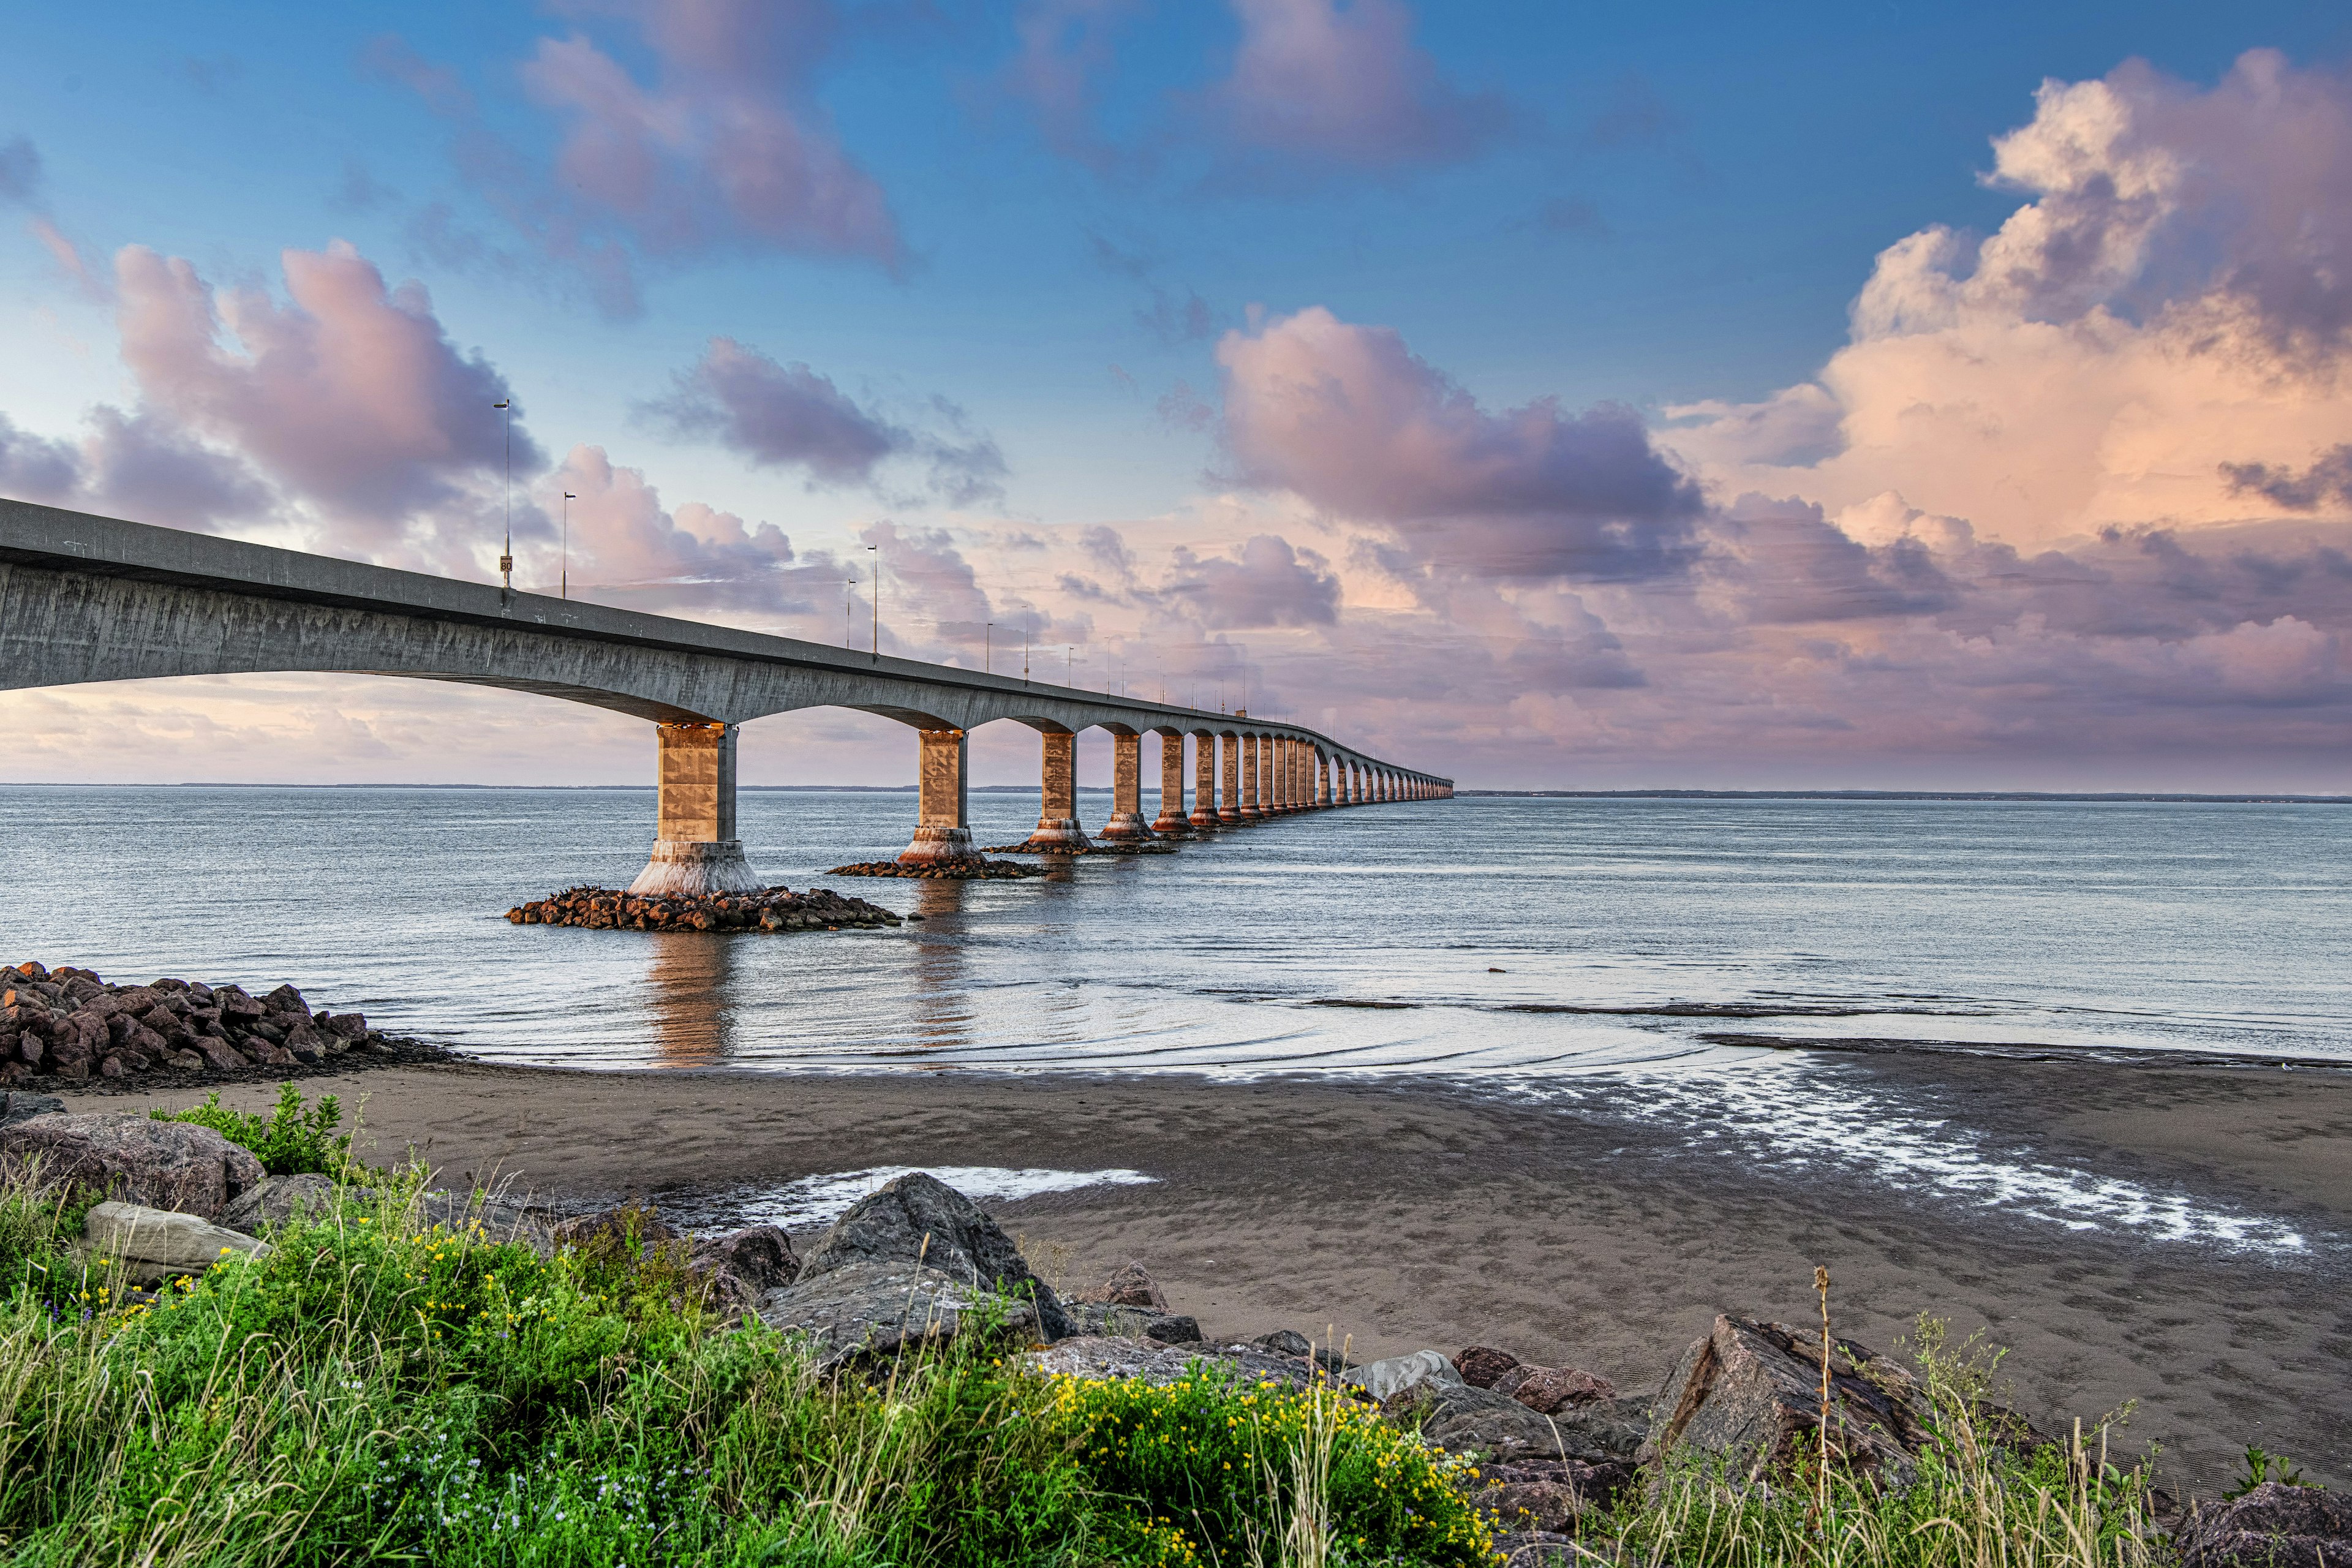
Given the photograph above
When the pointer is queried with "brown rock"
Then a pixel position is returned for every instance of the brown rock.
(136, 1159)
(235, 1004)
(1551, 1388)
(219, 1055)
(345, 1026)
(1129, 1286)
(1750, 1392)
(1507, 1380)
(286, 999)
(1480, 1365)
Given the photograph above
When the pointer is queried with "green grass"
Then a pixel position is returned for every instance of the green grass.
(375, 1392)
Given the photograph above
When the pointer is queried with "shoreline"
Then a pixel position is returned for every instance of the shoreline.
(1412, 1213)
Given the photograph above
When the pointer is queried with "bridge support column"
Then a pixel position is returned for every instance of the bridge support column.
(942, 835)
(696, 851)
(1204, 782)
(1288, 757)
(1253, 787)
(1277, 788)
(1126, 791)
(1322, 782)
(1170, 823)
(1057, 818)
(1229, 805)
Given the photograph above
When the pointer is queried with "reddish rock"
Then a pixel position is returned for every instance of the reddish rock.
(218, 1055)
(235, 1003)
(286, 999)
(1551, 1388)
(1129, 1286)
(1750, 1393)
(1480, 1365)
(344, 1026)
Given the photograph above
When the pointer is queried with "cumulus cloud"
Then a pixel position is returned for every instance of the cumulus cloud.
(628, 549)
(1353, 421)
(1345, 85)
(790, 416)
(1264, 581)
(2168, 313)
(348, 395)
(722, 146)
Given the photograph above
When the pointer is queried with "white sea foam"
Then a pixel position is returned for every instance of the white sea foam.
(822, 1199)
(1793, 1114)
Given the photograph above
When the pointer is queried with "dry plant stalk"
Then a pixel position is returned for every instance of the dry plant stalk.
(1822, 1495)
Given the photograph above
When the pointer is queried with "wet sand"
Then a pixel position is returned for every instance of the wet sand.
(1407, 1213)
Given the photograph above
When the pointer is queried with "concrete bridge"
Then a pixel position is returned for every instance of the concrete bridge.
(87, 598)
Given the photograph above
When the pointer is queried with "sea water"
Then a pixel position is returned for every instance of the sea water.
(1562, 950)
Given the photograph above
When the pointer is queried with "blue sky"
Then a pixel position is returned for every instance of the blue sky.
(1649, 208)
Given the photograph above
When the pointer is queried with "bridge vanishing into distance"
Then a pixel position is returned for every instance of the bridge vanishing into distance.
(87, 598)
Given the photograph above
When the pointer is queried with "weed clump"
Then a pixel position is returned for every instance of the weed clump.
(293, 1140)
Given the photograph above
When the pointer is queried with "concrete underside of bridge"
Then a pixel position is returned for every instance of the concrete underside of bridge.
(87, 599)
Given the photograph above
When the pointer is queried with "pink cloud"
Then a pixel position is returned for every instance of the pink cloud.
(1344, 85)
(789, 417)
(348, 395)
(1353, 422)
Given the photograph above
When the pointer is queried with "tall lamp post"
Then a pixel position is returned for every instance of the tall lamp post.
(567, 498)
(505, 556)
(878, 601)
(988, 650)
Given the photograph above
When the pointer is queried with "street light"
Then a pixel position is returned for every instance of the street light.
(876, 551)
(988, 650)
(505, 558)
(567, 498)
(848, 600)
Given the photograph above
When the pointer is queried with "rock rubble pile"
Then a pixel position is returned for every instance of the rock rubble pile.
(777, 909)
(68, 1025)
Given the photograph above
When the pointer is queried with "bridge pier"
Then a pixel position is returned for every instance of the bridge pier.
(1229, 805)
(1057, 818)
(1170, 823)
(1126, 824)
(943, 834)
(1204, 782)
(1252, 810)
(696, 851)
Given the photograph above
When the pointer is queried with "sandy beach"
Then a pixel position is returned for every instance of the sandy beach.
(1410, 1214)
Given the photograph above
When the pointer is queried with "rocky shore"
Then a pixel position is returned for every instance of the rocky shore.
(1546, 1452)
(1093, 846)
(70, 1027)
(777, 909)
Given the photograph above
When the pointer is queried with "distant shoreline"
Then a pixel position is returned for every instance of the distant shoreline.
(2092, 797)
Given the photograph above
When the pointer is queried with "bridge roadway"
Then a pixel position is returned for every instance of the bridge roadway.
(86, 598)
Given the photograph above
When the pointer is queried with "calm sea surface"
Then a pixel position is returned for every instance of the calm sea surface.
(1638, 958)
(1628, 933)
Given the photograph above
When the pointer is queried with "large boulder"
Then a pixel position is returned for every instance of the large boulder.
(1750, 1393)
(1546, 1389)
(919, 1220)
(2273, 1525)
(135, 1159)
(153, 1245)
(277, 1199)
(876, 1307)
(1116, 1356)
